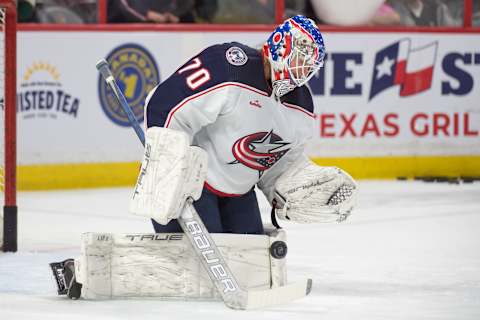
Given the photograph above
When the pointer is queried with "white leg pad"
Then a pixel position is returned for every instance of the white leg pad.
(164, 265)
(278, 265)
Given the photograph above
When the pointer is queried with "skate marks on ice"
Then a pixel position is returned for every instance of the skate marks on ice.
(410, 251)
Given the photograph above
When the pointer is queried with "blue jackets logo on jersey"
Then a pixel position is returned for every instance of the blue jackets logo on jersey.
(137, 74)
(259, 151)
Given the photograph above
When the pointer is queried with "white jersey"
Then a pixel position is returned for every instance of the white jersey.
(221, 99)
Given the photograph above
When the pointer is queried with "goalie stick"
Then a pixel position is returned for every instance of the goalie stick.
(205, 248)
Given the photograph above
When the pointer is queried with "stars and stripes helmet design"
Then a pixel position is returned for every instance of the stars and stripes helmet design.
(295, 51)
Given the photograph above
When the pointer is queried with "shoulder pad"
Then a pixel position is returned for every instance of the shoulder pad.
(210, 69)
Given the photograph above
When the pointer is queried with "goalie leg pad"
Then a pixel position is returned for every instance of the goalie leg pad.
(278, 252)
(164, 265)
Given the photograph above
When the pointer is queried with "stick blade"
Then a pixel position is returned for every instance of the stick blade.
(277, 296)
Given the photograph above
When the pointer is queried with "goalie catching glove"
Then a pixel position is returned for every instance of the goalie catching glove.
(308, 193)
(172, 171)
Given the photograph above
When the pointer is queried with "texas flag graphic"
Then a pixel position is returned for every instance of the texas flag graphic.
(397, 64)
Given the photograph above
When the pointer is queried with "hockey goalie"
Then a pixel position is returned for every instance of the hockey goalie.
(231, 119)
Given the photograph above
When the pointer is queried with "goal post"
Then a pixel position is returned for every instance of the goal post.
(8, 215)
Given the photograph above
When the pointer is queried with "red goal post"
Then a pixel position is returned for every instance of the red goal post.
(8, 216)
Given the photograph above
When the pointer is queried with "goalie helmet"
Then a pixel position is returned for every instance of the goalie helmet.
(295, 51)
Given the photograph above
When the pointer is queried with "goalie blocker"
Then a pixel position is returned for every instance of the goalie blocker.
(172, 171)
(163, 265)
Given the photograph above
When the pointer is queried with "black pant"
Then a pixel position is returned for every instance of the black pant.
(223, 214)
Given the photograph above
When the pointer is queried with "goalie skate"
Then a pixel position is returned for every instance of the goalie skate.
(64, 275)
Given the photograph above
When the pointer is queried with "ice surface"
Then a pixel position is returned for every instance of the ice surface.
(410, 251)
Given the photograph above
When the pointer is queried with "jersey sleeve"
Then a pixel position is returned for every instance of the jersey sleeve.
(193, 96)
(301, 101)
(267, 182)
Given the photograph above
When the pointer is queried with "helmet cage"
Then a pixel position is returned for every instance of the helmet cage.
(296, 52)
(304, 61)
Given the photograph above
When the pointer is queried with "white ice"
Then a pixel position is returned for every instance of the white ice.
(410, 251)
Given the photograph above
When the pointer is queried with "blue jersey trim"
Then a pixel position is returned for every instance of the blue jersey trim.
(175, 89)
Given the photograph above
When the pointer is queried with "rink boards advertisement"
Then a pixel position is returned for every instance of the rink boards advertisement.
(386, 104)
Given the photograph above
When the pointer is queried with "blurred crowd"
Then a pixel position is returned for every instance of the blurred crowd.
(336, 12)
